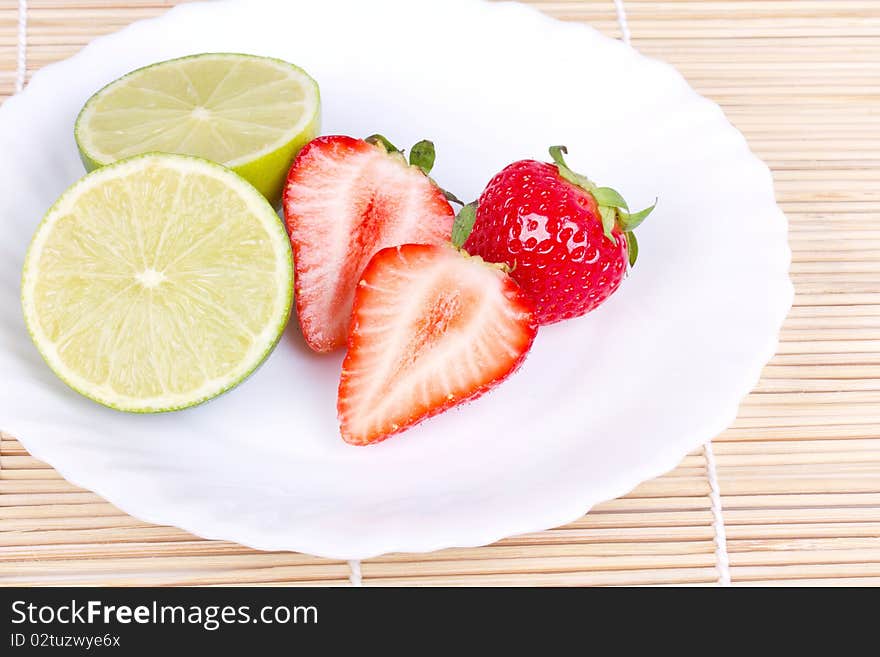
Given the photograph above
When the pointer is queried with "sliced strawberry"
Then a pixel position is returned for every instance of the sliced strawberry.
(431, 328)
(344, 200)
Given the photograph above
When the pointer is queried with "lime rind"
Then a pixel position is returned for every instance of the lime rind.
(266, 167)
(260, 350)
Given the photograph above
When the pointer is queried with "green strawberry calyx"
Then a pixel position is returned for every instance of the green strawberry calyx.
(421, 156)
(464, 224)
(382, 142)
(612, 207)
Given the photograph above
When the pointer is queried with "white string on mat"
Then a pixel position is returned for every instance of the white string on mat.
(722, 562)
(21, 66)
(621, 20)
(355, 575)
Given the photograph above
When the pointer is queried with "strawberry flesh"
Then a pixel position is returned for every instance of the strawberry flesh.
(344, 200)
(431, 328)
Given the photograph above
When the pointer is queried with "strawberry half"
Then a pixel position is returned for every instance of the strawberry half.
(345, 199)
(431, 328)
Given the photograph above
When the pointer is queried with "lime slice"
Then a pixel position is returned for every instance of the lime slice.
(251, 114)
(157, 283)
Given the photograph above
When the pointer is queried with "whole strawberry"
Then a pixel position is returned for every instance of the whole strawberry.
(566, 240)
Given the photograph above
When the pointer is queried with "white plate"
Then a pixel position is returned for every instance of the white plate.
(602, 402)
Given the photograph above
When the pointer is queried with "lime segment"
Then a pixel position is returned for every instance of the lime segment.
(251, 114)
(157, 283)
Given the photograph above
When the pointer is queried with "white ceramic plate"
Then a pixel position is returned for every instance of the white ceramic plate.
(602, 402)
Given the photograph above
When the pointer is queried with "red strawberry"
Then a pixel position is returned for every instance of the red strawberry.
(567, 240)
(344, 200)
(431, 328)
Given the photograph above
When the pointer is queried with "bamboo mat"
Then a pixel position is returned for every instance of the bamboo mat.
(799, 471)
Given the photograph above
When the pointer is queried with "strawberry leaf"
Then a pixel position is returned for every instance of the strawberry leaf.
(452, 198)
(609, 217)
(464, 224)
(422, 155)
(632, 247)
(609, 197)
(574, 178)
(629, 222)
(381, 140)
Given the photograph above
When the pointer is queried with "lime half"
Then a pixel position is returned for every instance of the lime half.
(157, 283)
(251, 114)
